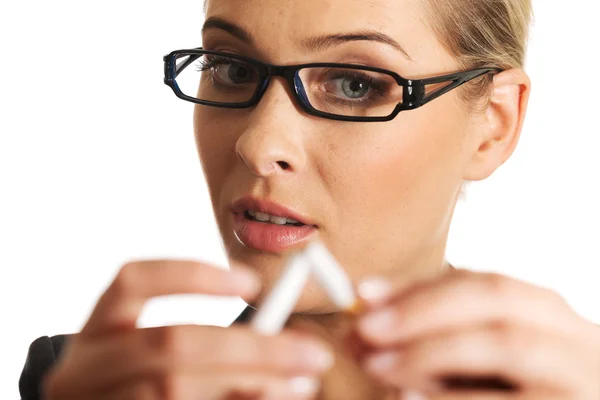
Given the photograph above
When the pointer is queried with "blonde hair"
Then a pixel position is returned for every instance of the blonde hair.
(482, 33)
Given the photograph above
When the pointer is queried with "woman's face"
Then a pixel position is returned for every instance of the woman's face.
(379, 195)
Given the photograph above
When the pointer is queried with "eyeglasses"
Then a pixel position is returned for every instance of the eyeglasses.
(343, 92)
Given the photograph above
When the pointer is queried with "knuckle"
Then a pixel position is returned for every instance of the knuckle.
(126, 278)
(508, 338)
(499, 286)
(170, 386)
(168, 342)
(508, 345)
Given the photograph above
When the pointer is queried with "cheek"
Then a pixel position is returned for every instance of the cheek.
(402, 176)
(215, 143)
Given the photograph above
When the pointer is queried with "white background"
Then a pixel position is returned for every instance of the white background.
(98, 166)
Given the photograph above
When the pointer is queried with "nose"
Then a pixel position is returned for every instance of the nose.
(272, 142)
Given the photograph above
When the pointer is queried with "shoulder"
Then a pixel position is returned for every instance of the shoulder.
(43, 353)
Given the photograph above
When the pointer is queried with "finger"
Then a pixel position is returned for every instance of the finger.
(376, 291)
(522, 356)
(238, 386)
(474, 395)
(160, 351)
(135, 390)
(486, 395)
(120, 305)
(462, 299)
(138, 389)
(471, 395)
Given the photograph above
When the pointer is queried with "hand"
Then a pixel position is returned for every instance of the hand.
(468, 329)
(111, 359)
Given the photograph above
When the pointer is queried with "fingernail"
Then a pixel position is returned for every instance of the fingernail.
(375, 290)
(383, 362)
(377, 322)
(412, 395)
(314, 355)
(324, 360)
(304, 385)
(245, 280)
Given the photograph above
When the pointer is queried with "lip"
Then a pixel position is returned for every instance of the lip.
(266, 236)
(268, 207)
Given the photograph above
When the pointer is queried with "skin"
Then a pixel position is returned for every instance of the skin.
(111, 359)
(382, 195)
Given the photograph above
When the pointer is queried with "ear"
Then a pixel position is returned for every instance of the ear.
(502, 124)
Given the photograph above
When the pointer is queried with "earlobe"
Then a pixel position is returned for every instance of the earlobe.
(503, 122)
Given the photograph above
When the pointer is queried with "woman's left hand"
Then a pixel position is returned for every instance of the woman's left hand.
(479, 327)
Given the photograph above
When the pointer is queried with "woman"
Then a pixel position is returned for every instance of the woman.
(370, 157)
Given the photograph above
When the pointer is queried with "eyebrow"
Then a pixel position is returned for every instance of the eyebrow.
(321, 42)
(316, 43)
(229, 27)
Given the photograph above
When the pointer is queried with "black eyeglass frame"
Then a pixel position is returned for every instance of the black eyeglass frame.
(413, 89)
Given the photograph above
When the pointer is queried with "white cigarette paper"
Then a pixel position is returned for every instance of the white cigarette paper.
(331, 276)
(280, 302)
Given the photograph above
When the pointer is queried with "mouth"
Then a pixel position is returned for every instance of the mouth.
(271, 219)
(267, 226)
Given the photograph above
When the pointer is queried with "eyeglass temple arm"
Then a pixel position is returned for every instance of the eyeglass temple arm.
(456, 80)
(185, 63)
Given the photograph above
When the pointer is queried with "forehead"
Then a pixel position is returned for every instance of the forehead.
(280, 26)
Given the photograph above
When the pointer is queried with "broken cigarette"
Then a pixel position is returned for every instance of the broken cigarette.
(279, 303)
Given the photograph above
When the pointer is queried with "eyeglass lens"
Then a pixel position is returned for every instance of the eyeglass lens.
(333, 90)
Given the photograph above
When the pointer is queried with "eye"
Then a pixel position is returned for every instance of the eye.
(346, 84)
(235, 72)
(355, 88)
(228, 71)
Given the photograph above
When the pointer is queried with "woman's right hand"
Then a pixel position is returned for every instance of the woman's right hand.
(111, 359)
